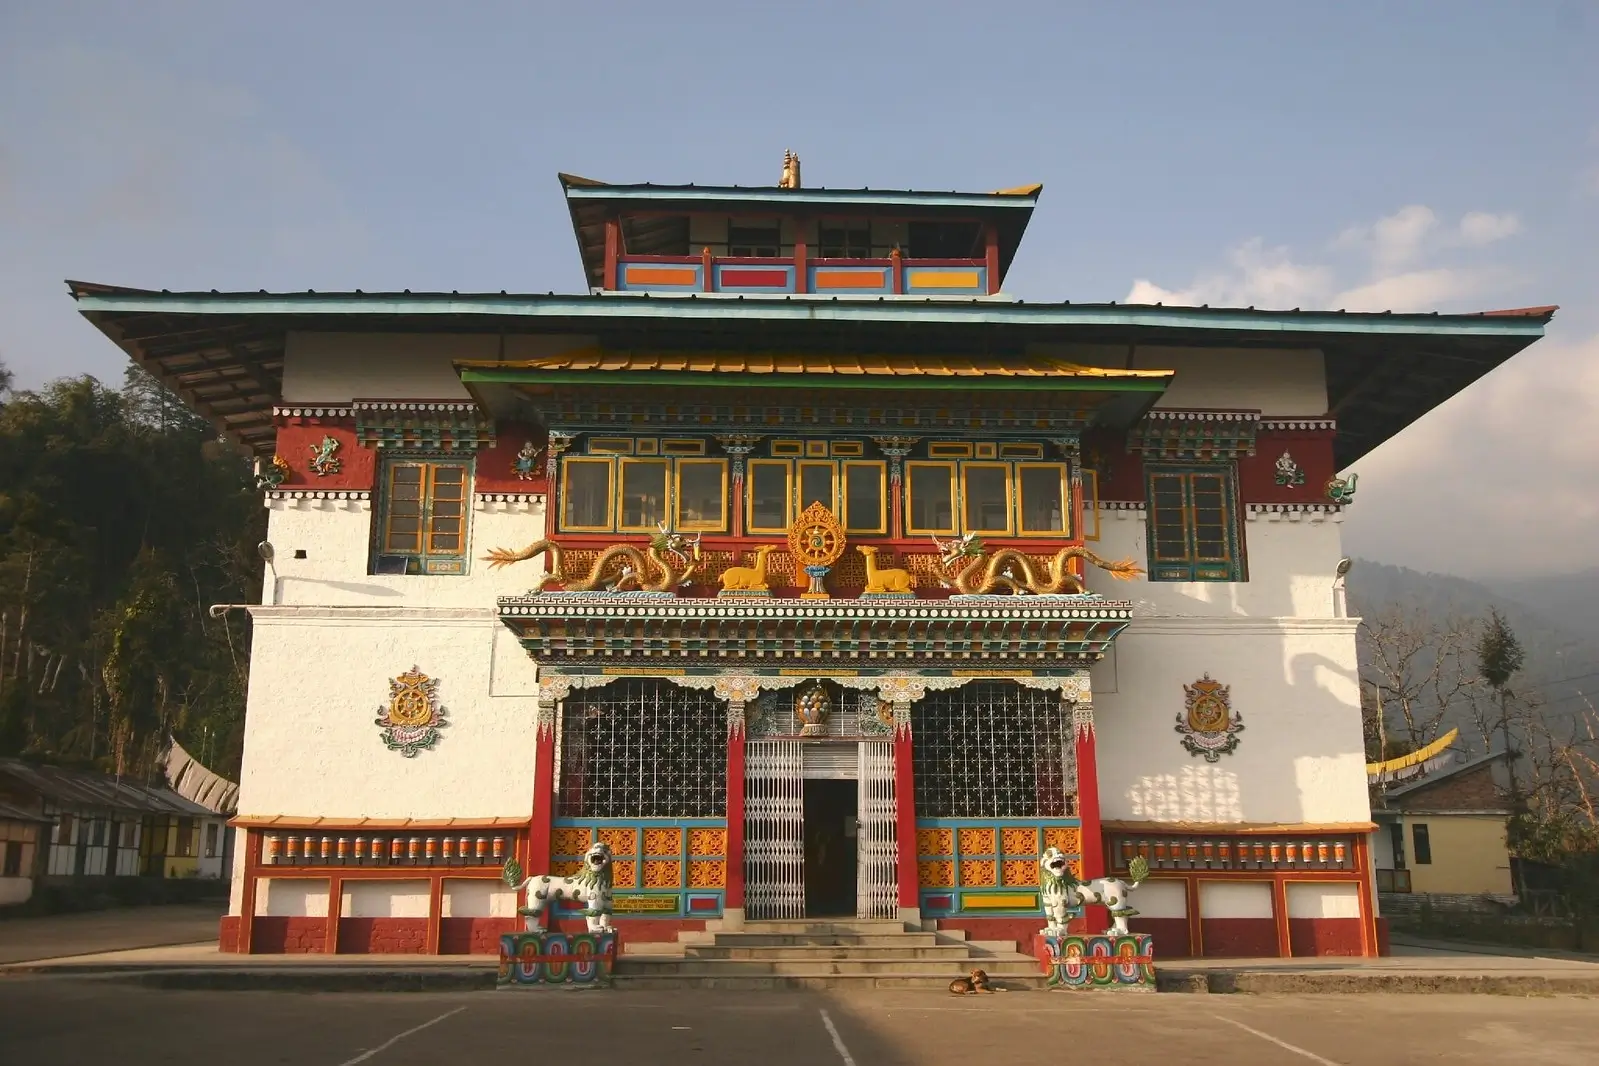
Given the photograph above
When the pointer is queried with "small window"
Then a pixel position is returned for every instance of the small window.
(985, 497)
(188, 838)
(864, 497)
(702, 495)
(423, 519)
(788, 448)
(1021, 451)
(97, 833)
(13, 859)
(769, 493)
(816, 485)
(949, 450)
(1193, 532)
(1396, 840)
(679, 447)
(64, 825)
(945, 240)
(930, 497)
(1043, 492)
(848, 449)
(644, 493)
(839, 242)
(756, 240)
(610, 446)
(1421, 844)
(585, 494)
(130, 834)
(212, 832)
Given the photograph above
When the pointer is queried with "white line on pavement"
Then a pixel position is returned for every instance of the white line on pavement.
(396, 1039)
(838, 1041)
(1312, 1056)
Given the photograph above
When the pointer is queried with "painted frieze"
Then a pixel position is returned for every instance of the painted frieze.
(324, 457)
(1208, 723)
(1289, 475)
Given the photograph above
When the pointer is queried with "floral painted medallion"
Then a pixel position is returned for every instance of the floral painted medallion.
(1209, 725)
(412, 720)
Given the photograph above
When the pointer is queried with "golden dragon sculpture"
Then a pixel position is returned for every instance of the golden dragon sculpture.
(669, 561)
(972, 572)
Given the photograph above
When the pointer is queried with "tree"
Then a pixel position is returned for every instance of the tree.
(1499, 659)
(1418, 670)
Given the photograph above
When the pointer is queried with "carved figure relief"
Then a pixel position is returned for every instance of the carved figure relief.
(1342, 490)
(324, 461)
(670, 561)
(791, 171)
(1288, 473)
(1208, 723)
(812, 707)
(413, 717)
(971, 571)
(526, 464)
(273, 474)
(886, 582)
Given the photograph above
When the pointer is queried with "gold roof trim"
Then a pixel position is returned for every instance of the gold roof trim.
(800, 363)
(1020, 190)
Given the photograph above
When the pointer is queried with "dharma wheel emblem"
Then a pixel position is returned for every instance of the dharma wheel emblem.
(413, 717)
(816, 541)
(1209, 725)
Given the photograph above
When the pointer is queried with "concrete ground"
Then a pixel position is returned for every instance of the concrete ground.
(95, 932)
(53, 1020)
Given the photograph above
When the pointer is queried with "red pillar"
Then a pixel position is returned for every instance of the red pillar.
(735, 810)
(537, 859)
(905, 815)
(613, 252)
(1097, 918)
(991, 257)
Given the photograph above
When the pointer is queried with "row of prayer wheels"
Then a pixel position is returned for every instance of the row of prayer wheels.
(1200, 853)
(397, 849)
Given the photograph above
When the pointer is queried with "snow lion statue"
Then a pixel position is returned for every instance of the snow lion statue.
(1056, 880)
(591, 885)
(1115, 893)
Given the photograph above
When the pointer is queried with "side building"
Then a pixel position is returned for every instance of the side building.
(806, 569)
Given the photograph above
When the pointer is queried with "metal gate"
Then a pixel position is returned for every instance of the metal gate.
(877, 857)
(774, 830)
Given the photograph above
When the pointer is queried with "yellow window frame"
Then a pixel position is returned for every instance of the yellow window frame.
(948, 466)
(881, 520)
(1067, 503)
(612, 488)
(749, 495)
(1010, 498)
(801, 466)
(617, 509)
(682, 524)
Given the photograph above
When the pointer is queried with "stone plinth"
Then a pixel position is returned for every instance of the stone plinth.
(1097, 961)
(541, 959)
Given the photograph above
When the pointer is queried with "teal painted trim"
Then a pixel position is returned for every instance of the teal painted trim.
(820, 309)
(788, 197)
(829, 381)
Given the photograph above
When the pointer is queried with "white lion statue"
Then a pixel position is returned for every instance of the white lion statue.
(1062, 893)
(1057, 882)
(591, 885)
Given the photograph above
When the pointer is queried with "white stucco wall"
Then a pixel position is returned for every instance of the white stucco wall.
(1293, 681)
(336, 536)
(1163, 899)
(1234, 899)
(1290, 557)
(320, 676)
(1286, 381)
(1325, 900)
(292, 897)
(15, 890)
(340, 367)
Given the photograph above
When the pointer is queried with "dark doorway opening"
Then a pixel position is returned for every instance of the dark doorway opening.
(830, 830)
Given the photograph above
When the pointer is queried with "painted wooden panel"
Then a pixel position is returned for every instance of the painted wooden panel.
(947, 280)
(992, 862)
(850, 279)
(754, 278)
(654, 276)
(661, 867)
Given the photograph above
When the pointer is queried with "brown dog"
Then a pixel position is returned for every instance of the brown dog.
(977, 981)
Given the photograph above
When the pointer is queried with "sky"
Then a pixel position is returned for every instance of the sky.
(1404, 156)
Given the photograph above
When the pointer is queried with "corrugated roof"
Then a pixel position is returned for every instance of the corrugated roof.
(80, 788)
(1440, 776)
(910, 366)
(8, 813)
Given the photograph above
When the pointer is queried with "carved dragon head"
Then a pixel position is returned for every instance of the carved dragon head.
(968, 546)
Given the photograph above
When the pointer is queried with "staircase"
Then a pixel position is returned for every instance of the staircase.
(823, 953)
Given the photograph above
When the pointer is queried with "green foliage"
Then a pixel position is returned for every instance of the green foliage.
(1499, 653)
(1138, 869)
(122, 520)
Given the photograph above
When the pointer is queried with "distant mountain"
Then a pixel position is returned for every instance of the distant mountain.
(1556, 620)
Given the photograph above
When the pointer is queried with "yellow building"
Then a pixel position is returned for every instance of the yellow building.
(1444, 834)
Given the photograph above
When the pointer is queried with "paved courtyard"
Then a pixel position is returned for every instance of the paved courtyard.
(71, 1020)
(92, 932)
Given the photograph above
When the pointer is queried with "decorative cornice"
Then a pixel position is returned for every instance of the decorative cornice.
(1298, 425)
(1195, 436)
(507, 502)
(1294, 512)
(444, 424)
(1122, 505)
(319, 494)
(336, 411)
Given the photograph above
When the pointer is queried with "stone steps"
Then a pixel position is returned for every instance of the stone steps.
(829, 953)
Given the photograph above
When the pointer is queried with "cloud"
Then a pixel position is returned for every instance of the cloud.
(1397, 274)
(1500, 480)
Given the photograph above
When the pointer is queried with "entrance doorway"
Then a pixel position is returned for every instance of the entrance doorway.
(831, 831)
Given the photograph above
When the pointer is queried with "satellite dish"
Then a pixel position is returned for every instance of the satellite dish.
(1344, 566)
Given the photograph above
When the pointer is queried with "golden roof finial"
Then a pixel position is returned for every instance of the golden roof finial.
(791, 170)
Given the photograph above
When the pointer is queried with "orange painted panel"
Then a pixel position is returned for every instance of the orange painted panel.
(641, 275)
(944, 279)
(851, 279)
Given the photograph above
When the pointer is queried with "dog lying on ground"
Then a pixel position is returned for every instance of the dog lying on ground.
(976, 981)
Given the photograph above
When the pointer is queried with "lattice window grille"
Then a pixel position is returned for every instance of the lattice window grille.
(642, 748)
(993, 750)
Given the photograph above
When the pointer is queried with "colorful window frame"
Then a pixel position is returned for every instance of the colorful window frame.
(442, 515)
(571, 463)
(692, 525)
(749, 495)
(911, 528)
(854, 523)
(616, 483)
(1193, 528)
(1064, 473)
(967, 498)
(960, 495)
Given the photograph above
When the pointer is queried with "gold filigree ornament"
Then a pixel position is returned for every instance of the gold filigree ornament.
(816, 540)
(413, 717)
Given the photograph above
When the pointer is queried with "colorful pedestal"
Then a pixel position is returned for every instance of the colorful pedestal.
(546, 960)
(1097, 961)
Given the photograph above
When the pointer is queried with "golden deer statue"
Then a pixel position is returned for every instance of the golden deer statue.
(748, 578)
(885, 582)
